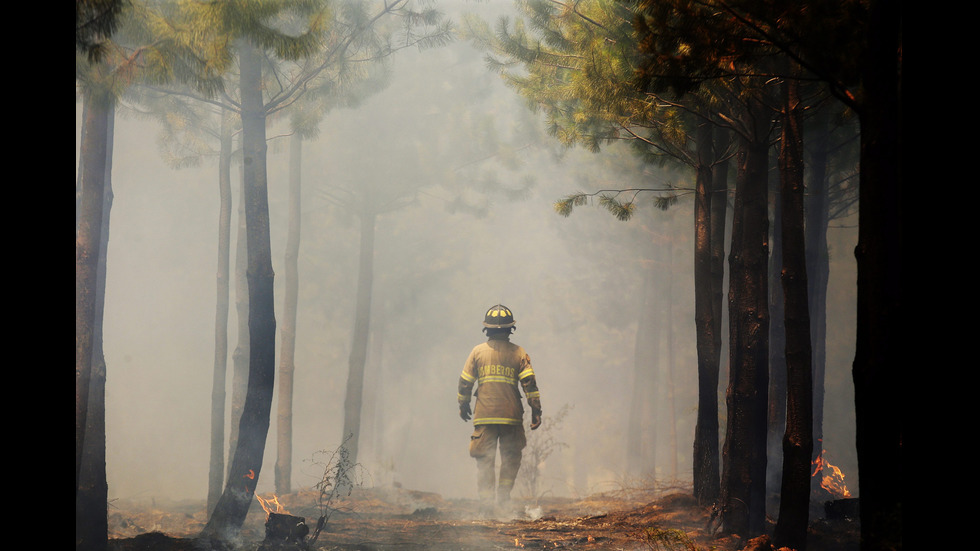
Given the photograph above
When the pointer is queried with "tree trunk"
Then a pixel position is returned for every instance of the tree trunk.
(719, 227)
(743, 482)
(670, 401)
(88, 235)
(239, 358)
(794, 505)
(776, 423)
(91, 498)
(358, 352)
(287, 366)
(80, 171)
(246, 464)
(640, 456)
(376, 401)
(818, 268)
(882, 316)
(706, 326)
(216, 466)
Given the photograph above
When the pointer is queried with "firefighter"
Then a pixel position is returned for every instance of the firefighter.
(499, 368)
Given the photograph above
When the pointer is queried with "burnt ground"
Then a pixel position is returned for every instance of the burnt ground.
(374, 519)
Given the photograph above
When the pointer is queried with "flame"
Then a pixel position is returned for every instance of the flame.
(250, 475)
(271, 505)
(517, 543)
(833, 478)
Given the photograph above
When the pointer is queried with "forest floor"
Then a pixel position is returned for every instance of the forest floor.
(373, 519)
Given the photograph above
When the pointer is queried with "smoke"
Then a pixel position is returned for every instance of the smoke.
(573, 283)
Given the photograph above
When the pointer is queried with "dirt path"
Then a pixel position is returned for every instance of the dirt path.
(391, 519)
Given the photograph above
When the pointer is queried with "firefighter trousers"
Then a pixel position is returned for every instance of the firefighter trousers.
(483, 447)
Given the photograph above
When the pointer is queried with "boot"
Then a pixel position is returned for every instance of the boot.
(506, 508)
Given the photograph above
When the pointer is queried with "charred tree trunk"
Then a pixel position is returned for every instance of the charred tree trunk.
(216, 466)
(882, 315)
(706, 326)
(246, 464)
(88, 236)
(287, 366)
(794, 504)
(719, 226)
(359, 344)
(743, 482)
(777, 360)
(818, 269)
(91, 497)
(239, 358)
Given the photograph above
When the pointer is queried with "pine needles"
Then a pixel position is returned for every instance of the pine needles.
(609, 200)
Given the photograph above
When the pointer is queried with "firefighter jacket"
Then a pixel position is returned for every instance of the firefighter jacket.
(498, 367)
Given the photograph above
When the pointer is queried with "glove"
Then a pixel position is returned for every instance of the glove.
(535, 418)
(464, 411)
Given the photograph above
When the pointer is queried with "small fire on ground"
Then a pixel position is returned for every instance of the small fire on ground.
(832, 479)
(280, 526)
(271, 505)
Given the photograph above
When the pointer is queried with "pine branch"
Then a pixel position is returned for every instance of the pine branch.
(623, 210)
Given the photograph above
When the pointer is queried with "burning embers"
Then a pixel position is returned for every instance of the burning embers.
(832, 479)
(280, 526)
(843, 506)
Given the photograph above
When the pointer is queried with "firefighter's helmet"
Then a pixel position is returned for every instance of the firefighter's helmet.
(498, 317)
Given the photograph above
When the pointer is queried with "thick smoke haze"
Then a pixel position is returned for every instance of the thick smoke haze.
(575, 285)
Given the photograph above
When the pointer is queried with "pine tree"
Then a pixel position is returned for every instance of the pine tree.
(855, 49)
(256, 32)
(140, 52)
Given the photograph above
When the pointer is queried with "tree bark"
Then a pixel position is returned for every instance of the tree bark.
(743, 477)
(706, 483)
(91, 498)
(818, 268)
(359, 344)
(882, 316)
(719, 227)
(239, 358)
(776, 423)
(794, 505)
(246, 464)
(88, 237)
(216, 466)
(287, 365)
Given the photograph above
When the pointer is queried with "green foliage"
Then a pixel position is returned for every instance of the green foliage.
(565, 206)
(151, 45)
(290, 29)
(686, 45)
(623, 210)
(609, 200)
(577, 62)
(572, 63)
(95, 23)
